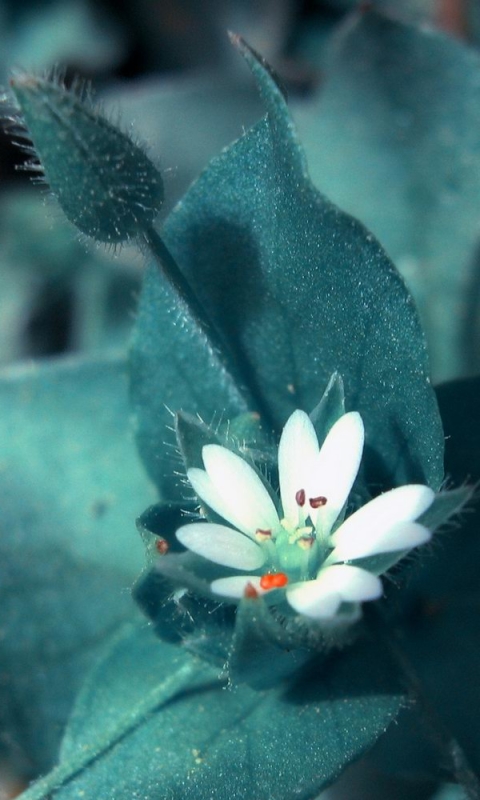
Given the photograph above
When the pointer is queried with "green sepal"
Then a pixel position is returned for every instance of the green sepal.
(246, 435)
(262, 654)
(157, 524)
(243, 434)
(446, 506)
(269, 647)
(192, 435)
(330, 408)
(199, 623)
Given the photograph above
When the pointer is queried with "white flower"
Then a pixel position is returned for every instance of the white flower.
(299, 549)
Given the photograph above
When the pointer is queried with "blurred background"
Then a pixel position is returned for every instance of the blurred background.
(389, 136)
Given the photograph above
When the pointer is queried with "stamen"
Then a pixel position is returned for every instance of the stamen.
(300, 497)
(263, 534)
(162, 546)
(306, 542)
(273, 580)
(317, 502)
(250, 591)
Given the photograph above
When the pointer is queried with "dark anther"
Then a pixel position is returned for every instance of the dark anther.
(300, 497)
(317, 502)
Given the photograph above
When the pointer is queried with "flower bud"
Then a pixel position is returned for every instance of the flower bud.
(104, 182)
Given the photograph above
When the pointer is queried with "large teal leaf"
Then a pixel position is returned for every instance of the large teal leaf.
(393, 137)
(209, 741)
(299, 290)
(70, 488)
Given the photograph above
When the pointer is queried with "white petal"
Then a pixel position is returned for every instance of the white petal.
(297, 449)
(336, 468)
(313, 600)
(353, 583)
(404, 504)
(246, 500)
(221, 545)
(401, 536)
(235, 586)
(321, 598)
(206, 491)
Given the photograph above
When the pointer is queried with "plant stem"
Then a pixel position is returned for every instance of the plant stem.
(70, 768)
(451, 751)
(190, 306)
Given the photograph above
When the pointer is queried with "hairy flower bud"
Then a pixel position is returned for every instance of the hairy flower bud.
(104, 182)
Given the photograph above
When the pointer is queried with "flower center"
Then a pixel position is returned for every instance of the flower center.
(295, 549)
(292, 551)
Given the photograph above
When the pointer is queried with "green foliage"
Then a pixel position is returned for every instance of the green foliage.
(70, 490)
(298, 290)
(207, 740)
(393, 138)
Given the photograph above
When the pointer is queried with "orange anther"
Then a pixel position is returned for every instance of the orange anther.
(274, 580)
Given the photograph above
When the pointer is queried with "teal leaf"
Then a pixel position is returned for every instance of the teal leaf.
(70, 487)
(398, 116)
(299, 291)
(227, 741)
